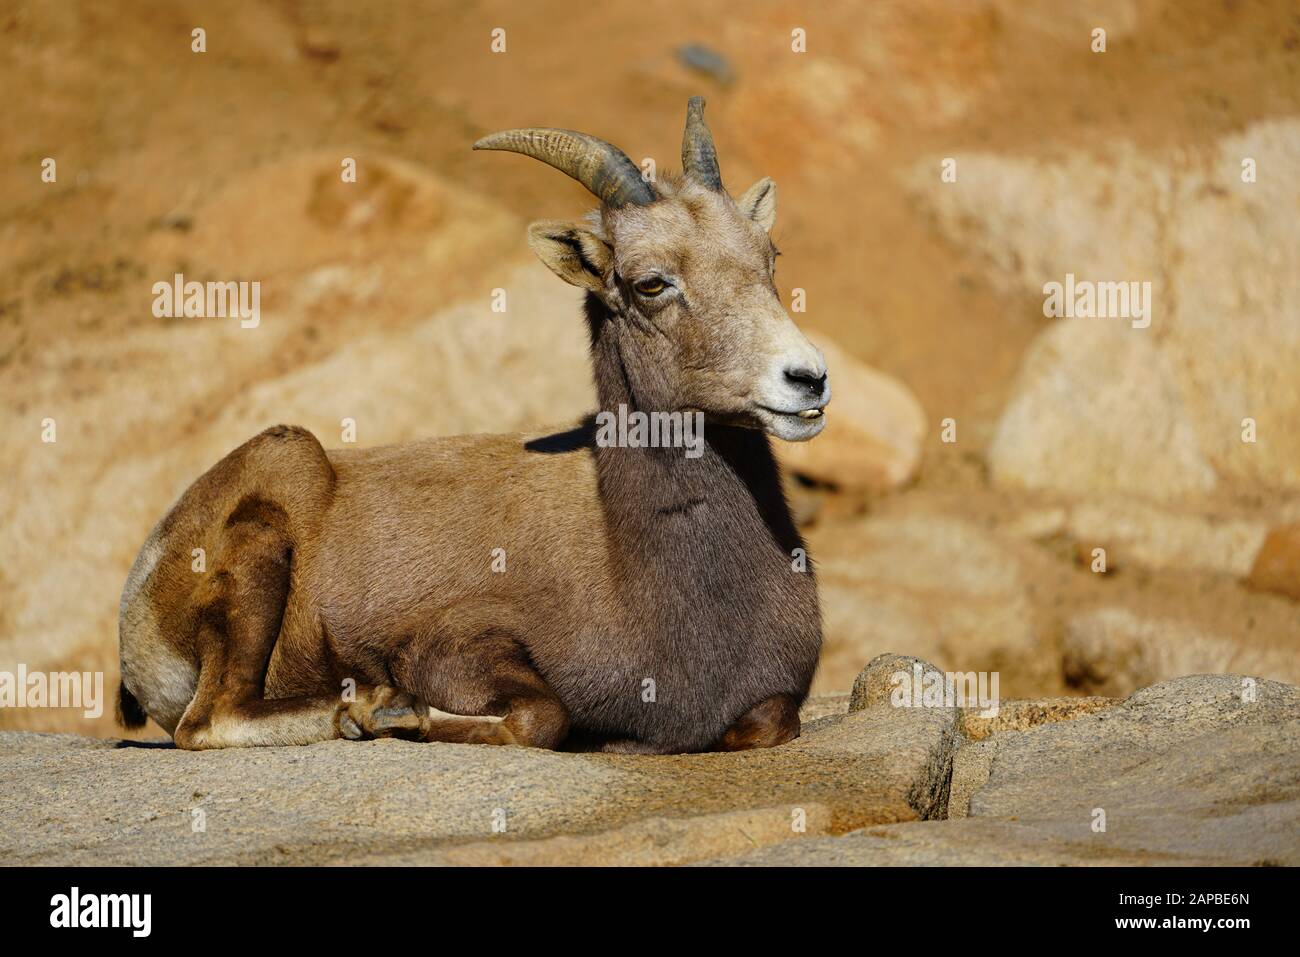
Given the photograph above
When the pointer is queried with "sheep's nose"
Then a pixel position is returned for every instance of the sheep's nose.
(812, 381)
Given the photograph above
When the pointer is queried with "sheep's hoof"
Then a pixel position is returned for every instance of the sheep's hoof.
(349, 728)
(394, 720)
(383, 713)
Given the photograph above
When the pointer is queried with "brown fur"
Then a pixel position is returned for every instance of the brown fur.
(347, 592)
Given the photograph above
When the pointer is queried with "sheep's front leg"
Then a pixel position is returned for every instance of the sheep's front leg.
(239, 717)
(765, 725)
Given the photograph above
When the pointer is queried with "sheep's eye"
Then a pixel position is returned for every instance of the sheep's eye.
(650, 287)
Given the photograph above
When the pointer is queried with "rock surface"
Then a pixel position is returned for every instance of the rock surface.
(1185, 772)
(1095, 409)
(939, 585)
(1203, 769)
(72, 800)
(1112, 650)
(1015, 592)
(1023, 715)
(1132, 531)
(1158, 410)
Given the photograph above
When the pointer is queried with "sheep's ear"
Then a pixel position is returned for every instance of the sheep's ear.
(759, 202)
(573, 252)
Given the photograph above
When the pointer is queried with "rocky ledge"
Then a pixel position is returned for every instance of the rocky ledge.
(1197, 770)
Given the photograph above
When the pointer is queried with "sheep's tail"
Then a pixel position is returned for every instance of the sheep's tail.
(129, 712)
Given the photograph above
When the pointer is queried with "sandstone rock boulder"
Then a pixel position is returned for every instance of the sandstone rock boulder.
(1192, 771)
(1162, 410)
(1137, 532)
(1206, 766)
(878, 679)
(1114, 650)
(1095, 409)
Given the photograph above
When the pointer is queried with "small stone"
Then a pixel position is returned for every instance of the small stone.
(876, 681)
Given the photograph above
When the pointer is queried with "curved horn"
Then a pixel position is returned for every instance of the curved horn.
(602, 168)
(699, 158)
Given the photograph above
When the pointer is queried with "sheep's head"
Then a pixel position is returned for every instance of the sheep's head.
(687, 275)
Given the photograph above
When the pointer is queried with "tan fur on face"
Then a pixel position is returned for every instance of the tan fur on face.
(721, 332)
(689, 225)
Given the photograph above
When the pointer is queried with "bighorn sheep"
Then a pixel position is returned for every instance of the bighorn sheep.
(650, 601)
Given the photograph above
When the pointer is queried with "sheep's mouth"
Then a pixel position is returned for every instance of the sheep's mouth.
(797, 426)
(808, 415)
